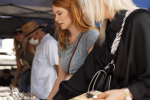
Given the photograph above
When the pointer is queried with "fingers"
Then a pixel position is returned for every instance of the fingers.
(11, 86)
(101, 96)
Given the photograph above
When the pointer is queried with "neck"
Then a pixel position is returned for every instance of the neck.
(111, 15)
(73, 32)
(21, 42)
(71, 38)
(42, 34)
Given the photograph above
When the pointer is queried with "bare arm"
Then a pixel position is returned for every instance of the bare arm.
(17, 75)
(56, 67)
(61, 76)
(90, 49)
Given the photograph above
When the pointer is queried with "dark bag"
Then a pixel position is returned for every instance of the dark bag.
(102, 78)
(105, 78)
(28, 78)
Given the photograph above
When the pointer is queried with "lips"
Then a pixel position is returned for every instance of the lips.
(60, 24)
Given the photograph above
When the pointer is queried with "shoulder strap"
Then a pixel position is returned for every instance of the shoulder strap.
(74, 52)
(116, 41)
(118, 35)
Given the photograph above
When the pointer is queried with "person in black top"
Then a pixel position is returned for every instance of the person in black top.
(131, 77)
(6, 78)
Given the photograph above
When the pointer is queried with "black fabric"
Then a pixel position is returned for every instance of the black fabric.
(28, 79)
(132, 60)
(102, 83)
(7, 82)
(17, 30)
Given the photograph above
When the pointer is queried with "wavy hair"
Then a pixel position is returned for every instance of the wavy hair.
(19, 48)
(77, 16)
(96, 10)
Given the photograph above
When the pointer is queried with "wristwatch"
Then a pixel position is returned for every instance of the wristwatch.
(128, 97)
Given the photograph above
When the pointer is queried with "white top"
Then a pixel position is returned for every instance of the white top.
(43, 73)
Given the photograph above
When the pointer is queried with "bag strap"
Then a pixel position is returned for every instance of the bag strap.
(74, 52)
(118, 37)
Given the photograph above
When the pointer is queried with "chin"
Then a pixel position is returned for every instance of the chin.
(63, 28)
(19, 40)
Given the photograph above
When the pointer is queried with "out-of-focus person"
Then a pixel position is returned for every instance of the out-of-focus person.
(5, 79)
(23, 50)
(45, 62)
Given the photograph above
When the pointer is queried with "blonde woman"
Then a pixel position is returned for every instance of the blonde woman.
(131, 75)
(25, 51)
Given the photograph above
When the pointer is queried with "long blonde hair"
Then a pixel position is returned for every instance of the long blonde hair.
(78, 18)
(96, 10)
(19, 48)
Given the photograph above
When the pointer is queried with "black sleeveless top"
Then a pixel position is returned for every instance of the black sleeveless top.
(28, 56)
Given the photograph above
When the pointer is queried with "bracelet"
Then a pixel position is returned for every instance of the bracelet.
(128, 97)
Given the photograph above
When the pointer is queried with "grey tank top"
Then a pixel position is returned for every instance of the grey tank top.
(87, 40)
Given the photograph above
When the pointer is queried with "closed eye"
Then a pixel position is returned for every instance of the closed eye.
(59, 13)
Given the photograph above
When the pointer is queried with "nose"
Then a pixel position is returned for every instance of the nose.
(56, 18)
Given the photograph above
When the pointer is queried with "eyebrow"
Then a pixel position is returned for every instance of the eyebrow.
(56, 11)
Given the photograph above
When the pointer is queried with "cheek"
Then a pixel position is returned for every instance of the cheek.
(20, 37)
(36, 37)
(68, 20)
(16, 38)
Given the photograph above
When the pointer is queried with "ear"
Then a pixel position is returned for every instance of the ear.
(36, 33)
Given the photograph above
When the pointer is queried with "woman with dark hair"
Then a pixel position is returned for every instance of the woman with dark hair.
(124, 44)
(75, 31)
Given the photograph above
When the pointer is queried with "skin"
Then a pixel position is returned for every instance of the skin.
(62, 17)
(116, 94)
(37, 35)
(19, 37)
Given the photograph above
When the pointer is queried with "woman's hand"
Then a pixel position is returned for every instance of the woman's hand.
(117, 94)
(13, 84)
(26, 67)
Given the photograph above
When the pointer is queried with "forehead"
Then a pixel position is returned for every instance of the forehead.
(57, 9)
(18, 33)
